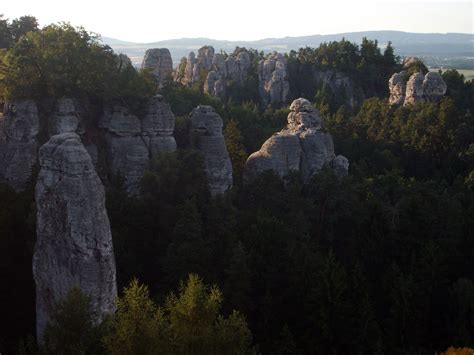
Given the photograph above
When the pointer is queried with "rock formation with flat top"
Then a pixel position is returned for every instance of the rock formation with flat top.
(74, 242)
(206, 126)
(302, 146)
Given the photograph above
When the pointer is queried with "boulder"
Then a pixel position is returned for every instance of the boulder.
(206, 126)
(74, 243)
(302, 146)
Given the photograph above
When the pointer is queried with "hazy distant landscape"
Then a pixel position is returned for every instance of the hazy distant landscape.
(447, 51)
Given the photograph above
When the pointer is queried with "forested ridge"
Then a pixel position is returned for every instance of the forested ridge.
(380, 261)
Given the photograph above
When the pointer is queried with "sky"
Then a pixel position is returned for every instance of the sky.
(150, 21)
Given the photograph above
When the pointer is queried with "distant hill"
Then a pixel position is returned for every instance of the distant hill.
(437, 49)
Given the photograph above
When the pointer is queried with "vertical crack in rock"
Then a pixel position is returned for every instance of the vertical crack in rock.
(74, 242)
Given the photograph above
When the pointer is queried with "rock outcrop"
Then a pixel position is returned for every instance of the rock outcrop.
(74, 242)
(206, 127)
(160, 62)
(343, 89)
(415, 84)
(302, 146)
(273, 79)
(132, 141)
(219, 71)
(20, 127)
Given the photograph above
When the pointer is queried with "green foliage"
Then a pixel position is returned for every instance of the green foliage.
(365, 65)
(235, 147)
(138, 326)
(188, 323)
(60, 60)
(71, 329)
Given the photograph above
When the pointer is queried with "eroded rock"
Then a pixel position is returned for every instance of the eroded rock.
(160, 62)
(273, 79)
(415, 84)
(74, 242)
(19, 145)
(132, 141)
(206, 126)
(302, 146)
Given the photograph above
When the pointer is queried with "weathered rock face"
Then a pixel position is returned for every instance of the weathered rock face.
(66, 117)
(302, 146)
(19, 143)
(206, 127)
(273, 79)
(131, 142)
(434, 87)
(406, 89)
(219, 71)
(342, 87)
(160, 62)
(397, 86)
(74, 243)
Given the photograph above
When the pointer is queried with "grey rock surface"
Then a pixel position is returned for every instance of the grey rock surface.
(65, 117)
(131, 142)
(408, 89)
(74, 243)
(397, 85)
(434, 87)
(19, 142)
(414, 90)
(159, 61)
(206, 126)
(273, 79)
(302, 146)
(341, 86)
(219, 71)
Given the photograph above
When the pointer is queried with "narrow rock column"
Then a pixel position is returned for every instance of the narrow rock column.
(206, 126)
(74, 242)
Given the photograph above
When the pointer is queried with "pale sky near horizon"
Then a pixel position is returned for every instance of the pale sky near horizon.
(149, 21)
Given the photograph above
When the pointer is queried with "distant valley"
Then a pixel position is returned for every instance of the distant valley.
(450, 50)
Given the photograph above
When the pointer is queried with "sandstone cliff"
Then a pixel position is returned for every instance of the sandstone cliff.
(20, 127)
(273, 79)
(216, 70)
(74, 243)
(301, 146)
(131, 142)
(206, 127)
(415, 84)
(159, 61)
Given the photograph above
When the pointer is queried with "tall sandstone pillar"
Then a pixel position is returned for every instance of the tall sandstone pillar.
(74, 242)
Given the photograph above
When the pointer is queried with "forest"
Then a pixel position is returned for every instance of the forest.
(378, 262)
